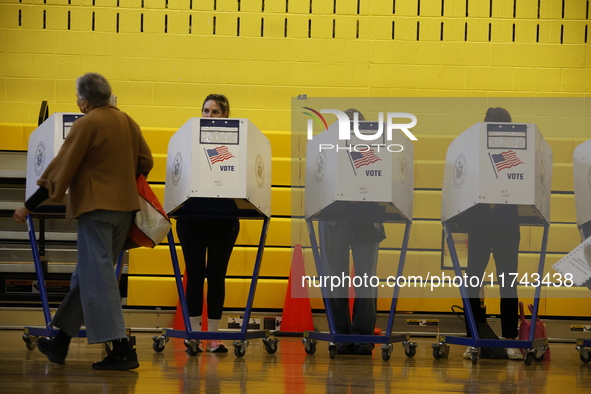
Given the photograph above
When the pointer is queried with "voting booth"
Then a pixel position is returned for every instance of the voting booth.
(218, 168)
(582, 178)
(359, 180)
(44, 144)
(502, 165)
(496, 173)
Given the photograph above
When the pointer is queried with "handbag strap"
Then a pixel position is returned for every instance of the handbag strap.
(521, 312)
(531, 309)
(458, 314)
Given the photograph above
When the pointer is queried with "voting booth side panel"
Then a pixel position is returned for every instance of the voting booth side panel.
(44, 144)
(403, 178)
(582, 177)
(321, 174)
(258, 169)
(178, 167)
(461, 174)
(543, 175)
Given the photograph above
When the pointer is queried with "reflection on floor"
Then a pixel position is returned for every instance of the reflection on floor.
(290, 370)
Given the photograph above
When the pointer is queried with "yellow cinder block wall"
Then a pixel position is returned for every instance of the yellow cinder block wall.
(163, 57)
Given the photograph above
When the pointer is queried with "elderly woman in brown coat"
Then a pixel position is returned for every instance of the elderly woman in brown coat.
(99, 162)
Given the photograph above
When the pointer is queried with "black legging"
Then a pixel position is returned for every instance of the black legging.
(214, 238)
(503, 242)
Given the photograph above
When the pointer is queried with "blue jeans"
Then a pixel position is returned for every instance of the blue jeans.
(335, 241)
(94, 297)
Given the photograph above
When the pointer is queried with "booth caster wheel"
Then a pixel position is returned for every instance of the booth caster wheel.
(29, 343)
(440, 350)
(410, 348)
(585, 354)
(529, 358)
(387, 351)
(159, 343)
(240, 348)
(332, 350)
(270, 345)
(192, 347)
(474, 355)
(309, 345)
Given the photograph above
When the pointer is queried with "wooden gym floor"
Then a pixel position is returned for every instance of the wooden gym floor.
(290, 370)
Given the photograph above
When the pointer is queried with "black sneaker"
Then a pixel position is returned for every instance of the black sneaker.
(54, 353)
(364, 349)
(118, 362)
(345, 348)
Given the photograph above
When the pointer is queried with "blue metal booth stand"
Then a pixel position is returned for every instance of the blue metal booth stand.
(218, 168)
(358, 183)
(311, 337)
(192, 338)
(496, 174)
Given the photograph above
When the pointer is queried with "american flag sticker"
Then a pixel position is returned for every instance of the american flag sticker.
(218, 154)
(365, 158)
(504, 160)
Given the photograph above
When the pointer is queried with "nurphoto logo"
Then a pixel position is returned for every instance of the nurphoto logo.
(344, 127)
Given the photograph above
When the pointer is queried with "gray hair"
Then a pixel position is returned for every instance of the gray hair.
(94, 88)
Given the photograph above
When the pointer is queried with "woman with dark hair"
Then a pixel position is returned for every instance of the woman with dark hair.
(98, 162)
(207, 246)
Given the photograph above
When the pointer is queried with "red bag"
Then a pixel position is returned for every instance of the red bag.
(151, 223)
(539, 331)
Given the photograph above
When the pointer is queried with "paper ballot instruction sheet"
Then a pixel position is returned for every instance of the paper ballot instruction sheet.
(577, 263)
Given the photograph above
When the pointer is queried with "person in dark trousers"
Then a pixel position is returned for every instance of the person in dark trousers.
(363, 239)
(98, 163)
(207, 246)
(503, 242)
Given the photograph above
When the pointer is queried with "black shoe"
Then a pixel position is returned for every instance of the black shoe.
(364, 349)
(118, 361)
(346, 348)
(54, 353)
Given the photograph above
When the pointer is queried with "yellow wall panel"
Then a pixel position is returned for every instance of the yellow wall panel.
(270, 293)
(526, 295)
(427, 204)
(157, 261)
(12, 137)
(429, 174)
(158, 172)
(562, 239)
(281, 172)
(562, 177)
(565, 301)
(151, 291)
(442, 304)
(162, 291)
(562, 208)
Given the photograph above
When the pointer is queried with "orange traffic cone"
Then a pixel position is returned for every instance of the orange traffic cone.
(297, 312)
